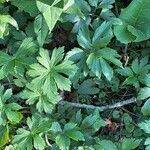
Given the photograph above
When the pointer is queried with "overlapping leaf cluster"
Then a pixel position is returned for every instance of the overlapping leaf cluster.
(95, 69)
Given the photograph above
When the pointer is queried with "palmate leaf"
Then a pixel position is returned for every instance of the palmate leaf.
(65, 135)
(97, 62)
(136, 73)
(8, 111)
(17, 63)
(135, 19)
(95, 56)
(31, 137)
(102, 36)
(51, 74)
(43, 102)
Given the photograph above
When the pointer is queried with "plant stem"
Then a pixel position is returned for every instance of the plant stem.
(47, 142)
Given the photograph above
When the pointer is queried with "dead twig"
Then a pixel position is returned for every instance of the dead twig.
(100, 108)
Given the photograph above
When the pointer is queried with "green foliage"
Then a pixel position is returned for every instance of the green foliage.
(9, 111)
(41, 29)
(78, 129)
(146, 127)
(135, 74)
(95, 55)
(16, 64)
(5, 20)
(47, 72)
(106, 144)
(27, 6)
(96, 61)
(62, 59)
(145, 108)
(134, 22)
(4, 133)
(87, 88)
(48, 78)
(32, 136)
(63, 136)
(130, 144)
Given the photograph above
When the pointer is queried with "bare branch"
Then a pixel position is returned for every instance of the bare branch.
(100, 108)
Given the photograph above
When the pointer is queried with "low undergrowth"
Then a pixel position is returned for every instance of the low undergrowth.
(74, 75)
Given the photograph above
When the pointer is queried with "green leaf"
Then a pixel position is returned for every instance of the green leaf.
(102, 36)
(50, 13)
(32, 136)
(125, 71)
(39, 142)
(41, 29)
(146, 80)
(4, 134)
(93, 2)
(146, 108)
(63, 142)
(11, 110)
(107, 145)
(144, 93)
(27, 6)
(42, 101)
(136, 73)
(7, 95)
(16, 64)
(49, 72)
(145, 126)
(130, 144)
(135, 19)
(83, 5)
(4, 21)
(83, 37)
(75, 135)
(55, 127)
(135, 66)
(93, 121)
(71, 131)
(147, 143)
(110, 55)
(69, 126)
(23, 139)
(97, 62)
(106, 69)
(87, 87)
(13, 116)
(93, 63)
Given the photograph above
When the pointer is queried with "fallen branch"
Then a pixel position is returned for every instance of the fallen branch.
(100, 108)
